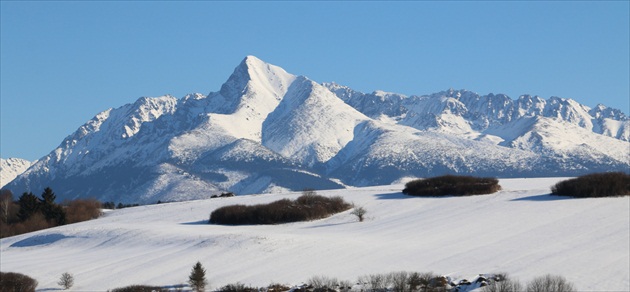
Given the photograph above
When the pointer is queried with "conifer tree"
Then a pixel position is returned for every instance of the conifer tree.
(52, 211)
(29, 205)
(48, 196)
(197, 278)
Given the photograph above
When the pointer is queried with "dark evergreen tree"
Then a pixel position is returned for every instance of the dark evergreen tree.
(29, 205)
(52, 211)
(197, 278)
(48, 196)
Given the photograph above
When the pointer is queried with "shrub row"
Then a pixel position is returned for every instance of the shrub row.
(451, 185)
(546, 283)
(401, 281)
(139, 288)
(610, 184)
(308, 206)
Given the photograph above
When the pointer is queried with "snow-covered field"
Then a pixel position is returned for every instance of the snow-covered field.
(521, 230)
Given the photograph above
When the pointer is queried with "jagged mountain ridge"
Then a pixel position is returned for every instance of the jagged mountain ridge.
(10, 168)
(267, 130)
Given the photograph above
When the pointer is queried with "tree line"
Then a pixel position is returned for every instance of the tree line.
(31, 213)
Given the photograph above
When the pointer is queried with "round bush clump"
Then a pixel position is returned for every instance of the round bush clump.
(306, 207)
(596, 185)
(452, 185)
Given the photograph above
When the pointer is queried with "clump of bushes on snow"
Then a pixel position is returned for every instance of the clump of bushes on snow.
(546, 283)
(139, 288)
(309, 206)
(240, 287)
(452, 185)
(17, 282)
(403, 281)
(610, 184)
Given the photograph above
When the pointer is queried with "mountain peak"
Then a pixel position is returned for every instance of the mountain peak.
(253, 61)
(252, 77)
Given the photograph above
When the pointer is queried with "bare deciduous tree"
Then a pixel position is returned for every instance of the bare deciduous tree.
(66, 281)
(359, 212)
(6, 198)
(550, 283)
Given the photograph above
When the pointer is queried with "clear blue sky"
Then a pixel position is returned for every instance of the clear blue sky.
(64, 62)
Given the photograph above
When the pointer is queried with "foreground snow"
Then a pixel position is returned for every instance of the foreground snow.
(520, 230)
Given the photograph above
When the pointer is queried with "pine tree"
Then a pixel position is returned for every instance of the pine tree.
(52, 211)
(48, 196)
(29, 205)
(197, 278)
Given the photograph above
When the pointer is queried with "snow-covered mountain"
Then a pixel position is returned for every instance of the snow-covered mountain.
(10, 168)
(267, 130)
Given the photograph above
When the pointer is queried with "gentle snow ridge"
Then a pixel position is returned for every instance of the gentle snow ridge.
(521, 230)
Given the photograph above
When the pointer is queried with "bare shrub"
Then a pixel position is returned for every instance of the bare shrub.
(276, 287)
(17, 282)
(82, 210)
(66, 281)
(414, 281)
(375, 282)
(345, 285)
(322, 282)
(501, 282)
(549, 283)
(451, 185)
(304, 208)
(360, 212)
(400, 281)
(237, 287)
(139, 288)
(422, 280)
(611, 184)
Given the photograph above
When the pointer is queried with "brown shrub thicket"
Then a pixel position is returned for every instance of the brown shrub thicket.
(610, 184)
(16, 282)
(238, 287)
(82, 210)
(139, 288)
(452, 185)
(309, 206)
(403, 281)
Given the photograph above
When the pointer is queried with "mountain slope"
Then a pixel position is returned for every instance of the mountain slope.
(267, 130)
(521, 230)
(10, 168)
(311, 124)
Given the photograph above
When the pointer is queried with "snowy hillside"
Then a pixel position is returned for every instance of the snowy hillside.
(267, 130)
(10, 168)
(521, 230)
